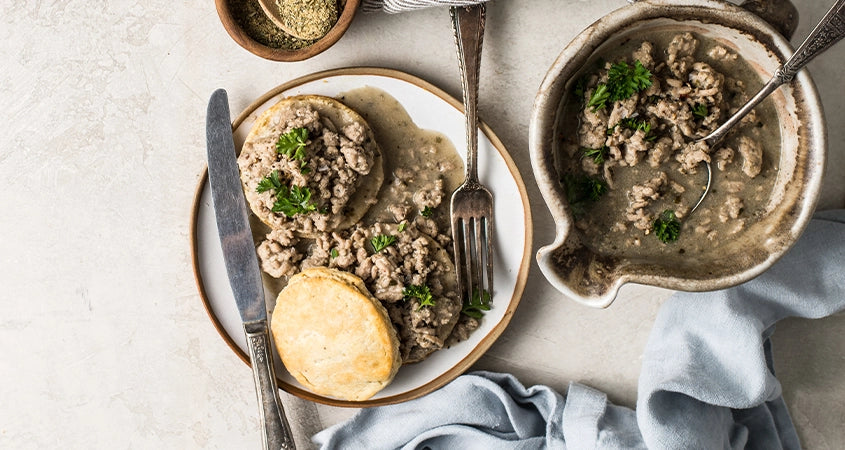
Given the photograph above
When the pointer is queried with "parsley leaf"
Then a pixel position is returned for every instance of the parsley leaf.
(599, 97)
(667, 227)
(293, 201)
(700, 110)
(579, 88)
(382, 241)
(270, 182)
(582, 190)
(623, 81)
(402, 226)
(632, 123)
(427, 211)
(292, 145)
(419, 292)
(289, 201)
(477, 305)
(333, 253)
(597, 154)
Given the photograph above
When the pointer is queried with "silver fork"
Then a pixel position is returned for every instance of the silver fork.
(472, 203)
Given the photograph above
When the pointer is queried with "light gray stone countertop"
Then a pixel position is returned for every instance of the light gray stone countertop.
(105, 342)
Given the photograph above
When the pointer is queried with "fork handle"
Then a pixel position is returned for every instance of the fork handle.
(468, 25)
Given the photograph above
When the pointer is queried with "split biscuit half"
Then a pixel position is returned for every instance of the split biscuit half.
(333, 336)
(338, 171)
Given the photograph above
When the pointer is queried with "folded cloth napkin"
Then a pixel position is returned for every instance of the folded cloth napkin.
(396, 6)
(706, 382)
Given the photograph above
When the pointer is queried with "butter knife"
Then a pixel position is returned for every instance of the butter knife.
(242, 267)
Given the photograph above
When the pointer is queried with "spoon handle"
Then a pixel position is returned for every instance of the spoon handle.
(830, 30)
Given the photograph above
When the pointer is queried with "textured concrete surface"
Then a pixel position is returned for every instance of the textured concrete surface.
(104, 340)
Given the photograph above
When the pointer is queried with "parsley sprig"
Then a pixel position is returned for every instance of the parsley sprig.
(419, 292)
(599, 97)
(623, 81)
(290, 201)
(582, 190)
(700, 110)
(293, 201)
(382, 241)
(597, 154)
(292, 145)
(635, 124)
(270, 182)
(477, 304)
(667, 227)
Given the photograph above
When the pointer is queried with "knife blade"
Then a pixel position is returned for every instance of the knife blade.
(242, 267)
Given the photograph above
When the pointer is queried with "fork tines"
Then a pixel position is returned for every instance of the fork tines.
(473, 245)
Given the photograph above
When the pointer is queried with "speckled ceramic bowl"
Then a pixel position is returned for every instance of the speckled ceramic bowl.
(594, 278)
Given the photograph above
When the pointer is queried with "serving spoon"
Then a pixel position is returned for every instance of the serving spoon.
(830, 30)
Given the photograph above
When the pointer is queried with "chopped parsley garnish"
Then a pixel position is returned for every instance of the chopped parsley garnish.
(293, 201)
(382, 241)
(581, 190)
(477, 305)
(667, 227)
(402, 226)
(579, 88)
(333, 253)
(623, 81)
(421, 293)
(427, 211)
(599, 97)
(292, 145)
(700, 110)
(289, 201)
(634, 124)
(597, 154)
(270, 182)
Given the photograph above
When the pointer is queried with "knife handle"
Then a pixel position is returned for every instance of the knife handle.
(277, 434)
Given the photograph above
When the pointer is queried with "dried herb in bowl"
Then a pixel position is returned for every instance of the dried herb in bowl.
(249, 16)
(307, 19)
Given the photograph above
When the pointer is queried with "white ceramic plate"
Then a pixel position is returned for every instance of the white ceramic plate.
(430, 108)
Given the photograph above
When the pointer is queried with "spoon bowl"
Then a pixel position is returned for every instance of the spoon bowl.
(827, 32)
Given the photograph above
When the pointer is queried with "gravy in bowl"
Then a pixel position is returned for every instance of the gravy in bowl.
(628, 159)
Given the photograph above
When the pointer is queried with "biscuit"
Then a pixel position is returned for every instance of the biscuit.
(258, 159)
(333, 336)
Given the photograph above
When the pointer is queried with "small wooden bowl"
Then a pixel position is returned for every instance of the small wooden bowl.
(237, 32)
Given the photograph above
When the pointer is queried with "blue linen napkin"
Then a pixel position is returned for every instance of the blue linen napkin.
(706, 381)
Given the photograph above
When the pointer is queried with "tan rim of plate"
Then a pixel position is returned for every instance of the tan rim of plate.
(486, 341)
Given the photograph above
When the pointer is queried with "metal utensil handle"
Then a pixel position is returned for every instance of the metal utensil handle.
(277, 434)
(468, 25)
(830, 30)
